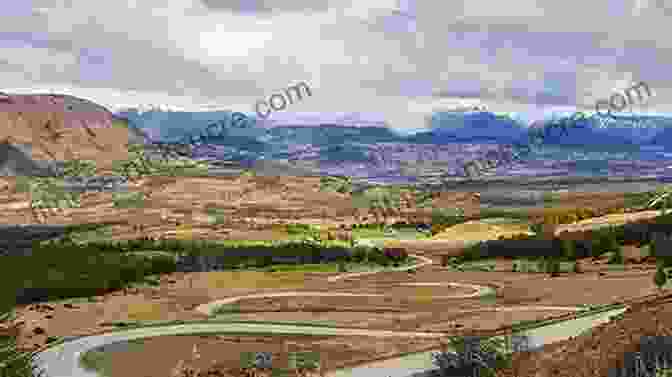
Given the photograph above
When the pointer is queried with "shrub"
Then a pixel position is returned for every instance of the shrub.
(537, 228)
(473, 252)
(659, 278)
(553, 267)
(616, 257)
(444, 218)
(473, 356)
(13, 362)
(568, 249)
(128, 200)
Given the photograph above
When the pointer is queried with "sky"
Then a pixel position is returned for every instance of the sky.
(374, 61)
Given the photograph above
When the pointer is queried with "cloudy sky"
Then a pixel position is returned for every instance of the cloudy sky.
(392, 61)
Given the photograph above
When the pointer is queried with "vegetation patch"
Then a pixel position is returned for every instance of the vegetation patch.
(255, 279)
(13, 362)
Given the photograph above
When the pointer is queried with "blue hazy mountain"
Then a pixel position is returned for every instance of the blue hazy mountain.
(475, 127)
(382, 148)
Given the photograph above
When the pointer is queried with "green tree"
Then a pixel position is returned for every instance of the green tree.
(660, 278)
(606, 243)
(616, 257)
(553, 267)
(568, 249)
(653, 247)
(661, 197)
(423, 199)
(447, 216)
(341, 184)
(537, 229)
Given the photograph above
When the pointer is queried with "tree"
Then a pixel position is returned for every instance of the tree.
(616, 257)
(537, 229)
(662, 196)
(568, 249)
(660, 278)
(553, 267)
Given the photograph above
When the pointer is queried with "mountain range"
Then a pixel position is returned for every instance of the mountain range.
(52, 125)
(452, 139)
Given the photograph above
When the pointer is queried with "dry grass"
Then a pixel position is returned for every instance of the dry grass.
(426, 294)
(476, 230)
(145, 311)
(255, 279)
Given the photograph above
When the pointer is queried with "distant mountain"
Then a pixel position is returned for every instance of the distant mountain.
(451, 139)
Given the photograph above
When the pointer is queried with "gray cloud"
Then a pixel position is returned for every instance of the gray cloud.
(266, 6)
(356, 56)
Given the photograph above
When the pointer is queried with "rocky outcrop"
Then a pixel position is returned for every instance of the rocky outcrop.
(15, 160)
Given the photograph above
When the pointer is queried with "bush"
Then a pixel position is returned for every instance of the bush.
(606, 242)
(568, 249)
(660, 278)
(128, 200)
(537, 228)
(473, 356)
(13, 362)
(616, 257)
(553, 267)
(443, 218)
(473, 252)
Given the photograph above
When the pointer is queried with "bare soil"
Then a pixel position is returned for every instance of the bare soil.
(179, 294)
(596, 353)
(158, 356)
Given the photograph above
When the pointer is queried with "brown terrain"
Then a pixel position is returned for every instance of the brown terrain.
(601, 350)
(250, 206)
(157, 356)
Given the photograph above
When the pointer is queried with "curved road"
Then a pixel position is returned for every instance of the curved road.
(62, 360)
